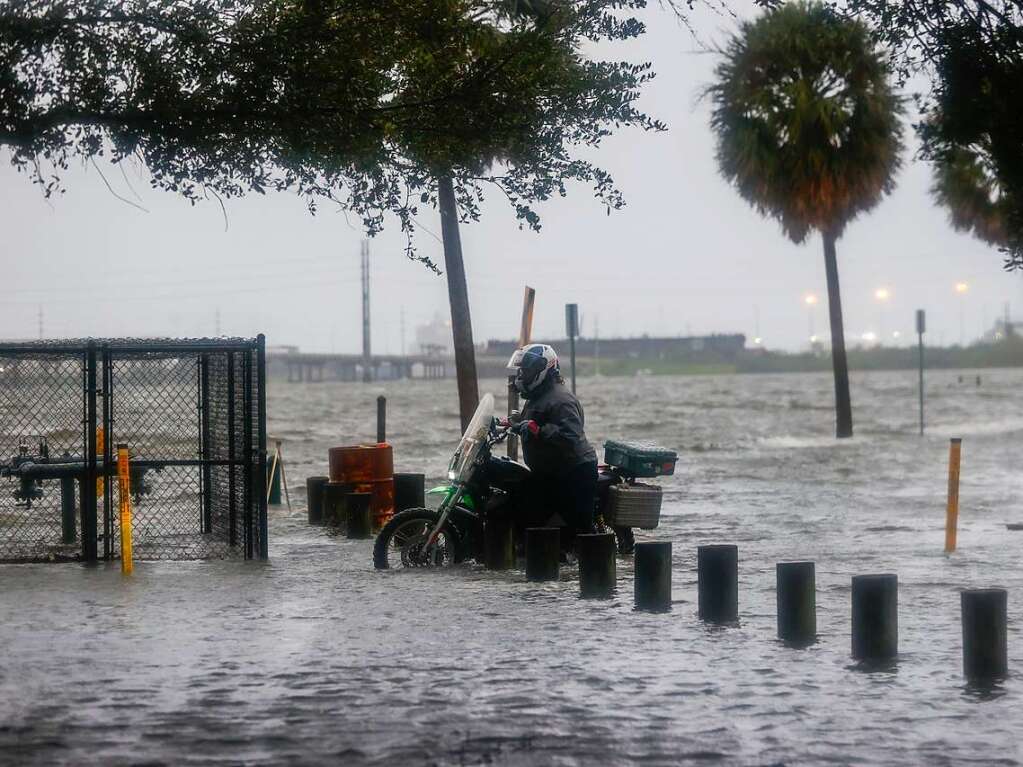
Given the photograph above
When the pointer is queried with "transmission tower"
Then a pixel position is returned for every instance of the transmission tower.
(366, 352)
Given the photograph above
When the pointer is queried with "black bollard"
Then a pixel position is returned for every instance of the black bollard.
(718, 583)
(335, 498)
(797, 602)
(543, 553)
(985, 615)
(381, 418)
(409, 491)
(314, 499)
(499, 545)
(653, 576)
(358, 515)
(67, 510)
(597, 572)
(875, 617)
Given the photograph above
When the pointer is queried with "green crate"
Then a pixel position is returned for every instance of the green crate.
(640, 460)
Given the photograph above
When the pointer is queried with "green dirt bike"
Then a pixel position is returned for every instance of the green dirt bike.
(486, 487)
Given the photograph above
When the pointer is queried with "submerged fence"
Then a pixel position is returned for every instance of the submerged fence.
(193, 414)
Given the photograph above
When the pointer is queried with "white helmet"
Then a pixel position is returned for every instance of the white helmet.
(532, 366)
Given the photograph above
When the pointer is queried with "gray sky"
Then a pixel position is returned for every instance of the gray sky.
(686, 255)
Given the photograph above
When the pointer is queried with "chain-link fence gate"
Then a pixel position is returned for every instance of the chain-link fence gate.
(193, 414)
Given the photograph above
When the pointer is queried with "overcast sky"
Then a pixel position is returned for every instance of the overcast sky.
(686, 255)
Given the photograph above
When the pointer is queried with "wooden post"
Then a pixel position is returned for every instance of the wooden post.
(314, 499)
(458, 298)
(525, 334)
(797, 602)
(335, 503)
(718, 583)
(499, 544)
(653, 576)
(952, 511)
(358, 517)
(543, 553)
(984, 615)
(409, 491)
(597, 570)
(875, 617)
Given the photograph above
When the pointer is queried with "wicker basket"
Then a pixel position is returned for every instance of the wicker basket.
(635, 505)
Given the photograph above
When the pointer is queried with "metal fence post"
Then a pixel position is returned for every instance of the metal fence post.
(261, 468)
(205, 476)
(89, 533)
(232, 457)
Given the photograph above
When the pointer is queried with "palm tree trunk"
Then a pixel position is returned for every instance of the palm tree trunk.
(843, 404)
(458, 297)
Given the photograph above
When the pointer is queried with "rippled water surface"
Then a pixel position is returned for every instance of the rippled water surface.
(315, 658)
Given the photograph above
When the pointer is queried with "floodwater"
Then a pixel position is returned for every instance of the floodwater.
(315, 658)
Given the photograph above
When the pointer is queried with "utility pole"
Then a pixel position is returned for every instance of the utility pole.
(366, 352)
(40, 322)
(403, 331)
(596, 345)
(218, 322)
(921, 328)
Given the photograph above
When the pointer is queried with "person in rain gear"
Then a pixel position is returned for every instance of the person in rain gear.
(554, 444)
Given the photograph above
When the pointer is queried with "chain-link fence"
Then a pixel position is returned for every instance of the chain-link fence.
(193, 414)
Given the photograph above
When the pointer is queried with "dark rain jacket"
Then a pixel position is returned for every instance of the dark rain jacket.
(561, 444)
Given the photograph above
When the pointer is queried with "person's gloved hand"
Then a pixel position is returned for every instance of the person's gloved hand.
(526, 429)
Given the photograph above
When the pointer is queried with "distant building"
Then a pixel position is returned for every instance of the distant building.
(1003, 328)
(642, 348)
(434, 338)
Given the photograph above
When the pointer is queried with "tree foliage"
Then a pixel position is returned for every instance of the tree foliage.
(971, 51)
(363, 103)
(807, 123)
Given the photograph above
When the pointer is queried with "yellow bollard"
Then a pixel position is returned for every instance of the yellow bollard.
(124, 487)
(952, 513)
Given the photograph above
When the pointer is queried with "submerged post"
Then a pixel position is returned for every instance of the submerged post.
(952, 512)
(984, 616)
(314, 499)
(875, 617)
(409, 491)
(797, 602)
(381, 419)
(718, 583)
(334, 503)
(597, 572)
(543, 553)
(499, 545)
(358, 517)
(124, 496)
(652, 586)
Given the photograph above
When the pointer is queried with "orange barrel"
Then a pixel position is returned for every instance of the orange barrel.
(371, 469)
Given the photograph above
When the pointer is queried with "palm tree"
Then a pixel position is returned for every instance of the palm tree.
(809, 132)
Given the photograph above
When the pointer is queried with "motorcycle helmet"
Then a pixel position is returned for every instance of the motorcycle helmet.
(532, 366)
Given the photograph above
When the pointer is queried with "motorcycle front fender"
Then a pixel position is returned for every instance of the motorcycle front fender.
(448, 491)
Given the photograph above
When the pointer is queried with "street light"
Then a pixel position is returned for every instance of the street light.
(810, 299)
(881, 295)
(962, 288)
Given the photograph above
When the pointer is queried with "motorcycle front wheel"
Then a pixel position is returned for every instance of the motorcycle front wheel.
(402, 542)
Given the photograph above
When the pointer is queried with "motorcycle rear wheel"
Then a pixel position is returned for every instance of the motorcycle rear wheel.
(400, 542)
